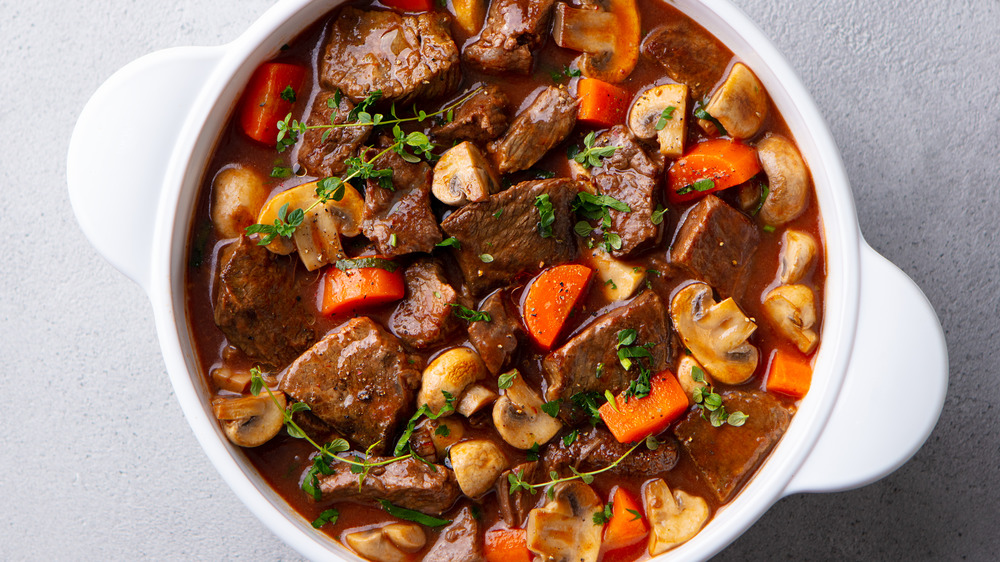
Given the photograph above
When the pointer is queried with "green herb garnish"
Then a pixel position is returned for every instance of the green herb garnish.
(546, 216)
(468, 314)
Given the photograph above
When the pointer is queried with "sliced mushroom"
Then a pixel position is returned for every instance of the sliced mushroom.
(673, 517)
(233, 381)
(463, 175)
(519, 418)
(792, 309)
(685, 376)
(238, 193)
(477, 464)
(716, 333)
(250, 421)
(450, 372)
(392, 543)
(740, 104)
(787, 179)
(616, 279)
(652, 108)
(476, 398)
(564, 530)
(798, 250)
(606, 31)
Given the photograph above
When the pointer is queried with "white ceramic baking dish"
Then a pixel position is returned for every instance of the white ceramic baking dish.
(159, 118)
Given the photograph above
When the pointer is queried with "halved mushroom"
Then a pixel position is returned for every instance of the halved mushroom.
(477, 464)
(798, 250)
(652, 109)
(564, 530)
(606, 31)
(392, 543)
(450, 372)
(673, 517)
(238, 193)
(476, 398)
(463, 175)
(716, 333)
(519, 418)
(685, 376)
(787, 178)
(318, 237)
(740, 104)
(250, 421)
(616, 279)
(792, 309)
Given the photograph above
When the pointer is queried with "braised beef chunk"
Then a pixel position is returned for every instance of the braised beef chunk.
(258, 308)
(399, 220)
(424, 318)
(689, 54)
(629, 175)
(514, 507)
(588, 362)
(459, 542)
(727, 455)
(404, 56)
(408, 483)
(715, 243)
(481, 118)
(326, 158)
(497, 340)
(358, 380)
(499, 237)
(536, 130)
(598, 448)
(513, 30)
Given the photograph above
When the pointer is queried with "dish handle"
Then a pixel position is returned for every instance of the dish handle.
(120, 148)
(894, 389)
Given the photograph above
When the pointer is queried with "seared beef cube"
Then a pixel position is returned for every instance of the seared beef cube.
(359, 380)
(536, 130)
(514, 507)
(403, 211)
(425, 318)
(407, 483)
(629, 175)
(715, 244)
(480, 119)
(499, 237)
(497, 340)
(689, 54)
(458, 542)
(597, 448)
(258, 306)
(513, 29)
(589, 362)
(404, 56)
(326, 158)
(727, 455)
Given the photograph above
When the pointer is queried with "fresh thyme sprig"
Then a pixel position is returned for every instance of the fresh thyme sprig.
(516, 478)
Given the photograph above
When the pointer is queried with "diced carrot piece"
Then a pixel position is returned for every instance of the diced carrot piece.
(789, 373)
(409, 5)
(710, 166)
(265, 101)
(625, 527)
(344, 291)
(507, 545)
(550, 299)
(601, 104)
(641, 417)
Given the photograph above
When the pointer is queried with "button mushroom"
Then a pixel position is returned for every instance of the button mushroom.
(477, 464)
(233, 381)
(476, 398)
(716, 333)
(391, 543)
(564, 530)
(685, 376)
(673, 517)
(792, 309)
(250, 421)
(740, 104)
(652, 109)
(606, 31)
(450, 372)
(463, 175)
(616, 279)
(798, 250)
(519, 419)
(238, 193)
(787, 179)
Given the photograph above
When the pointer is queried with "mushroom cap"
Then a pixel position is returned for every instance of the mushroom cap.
(792, 309)
(238, 193)
(477, 464)
(564, 530)
(716, 333)
(607, 32)
(798, 251)
(463, 175)
(519, 419)
(648, 106)
(787, 178)
(450, 372)
(390, 543)
(674, 517)
(250, 421)
(740, 104)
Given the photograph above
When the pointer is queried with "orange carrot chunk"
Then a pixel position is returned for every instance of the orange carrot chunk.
(641, 417)
(601, 104)
(344, 291)
(789, 374)
(507, 545)
(550, 299)
(269, 97)
(710, 166)
(627, 525)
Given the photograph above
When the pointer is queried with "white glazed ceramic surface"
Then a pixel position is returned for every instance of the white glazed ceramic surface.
(880, 334)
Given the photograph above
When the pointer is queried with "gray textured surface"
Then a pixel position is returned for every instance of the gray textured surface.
(96, 460)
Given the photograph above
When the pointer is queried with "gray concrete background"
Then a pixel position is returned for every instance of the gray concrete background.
(97, 462)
